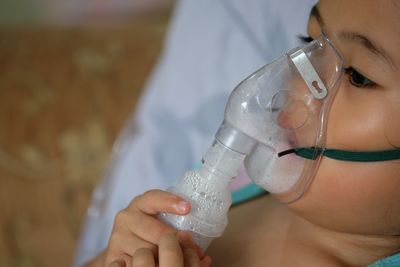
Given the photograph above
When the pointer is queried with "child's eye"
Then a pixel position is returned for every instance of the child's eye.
(355, 78)
(305, 39)
(358, 80)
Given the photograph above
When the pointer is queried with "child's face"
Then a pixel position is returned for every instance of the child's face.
(361, 198)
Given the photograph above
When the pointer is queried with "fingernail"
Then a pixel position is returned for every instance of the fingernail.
(182, 207)
(200, 253)
(206, 262)
(186, 239)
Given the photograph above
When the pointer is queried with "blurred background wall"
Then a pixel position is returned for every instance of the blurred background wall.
(70, 75)
(75, 11)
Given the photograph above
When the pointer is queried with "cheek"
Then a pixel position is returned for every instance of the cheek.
(392, 129)
(357, 121)
(363, 119)
(354, 197)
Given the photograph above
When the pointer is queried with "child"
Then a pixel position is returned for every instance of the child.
(350, 214)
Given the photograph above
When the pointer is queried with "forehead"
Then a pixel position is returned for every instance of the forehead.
(380, 20)
(367, 15)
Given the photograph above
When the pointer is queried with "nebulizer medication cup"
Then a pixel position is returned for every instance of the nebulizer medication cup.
(281, 107)
(207, 191)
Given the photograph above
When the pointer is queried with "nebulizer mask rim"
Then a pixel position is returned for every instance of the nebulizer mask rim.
(316, 153)
(250, 129)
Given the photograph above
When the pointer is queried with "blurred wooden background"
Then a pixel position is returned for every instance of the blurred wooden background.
(65, 92)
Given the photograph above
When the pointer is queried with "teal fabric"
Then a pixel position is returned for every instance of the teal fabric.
(246, 193)
(252, 191)
(392, 261)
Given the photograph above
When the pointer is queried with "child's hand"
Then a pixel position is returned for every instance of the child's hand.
(138, 228)
(170, 254)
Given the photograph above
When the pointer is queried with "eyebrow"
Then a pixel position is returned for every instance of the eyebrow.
(354, 36)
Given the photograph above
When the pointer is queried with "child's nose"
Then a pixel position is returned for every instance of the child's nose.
(294, 115)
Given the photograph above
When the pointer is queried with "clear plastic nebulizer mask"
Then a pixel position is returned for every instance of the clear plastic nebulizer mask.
(269, 117)
(282, 107)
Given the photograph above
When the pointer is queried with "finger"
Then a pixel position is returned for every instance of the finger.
(122, 261)
(186, 240)
(118, 263)
(206, 261)
(124, 244)
(190, 258)
(136, 223)
(155, 201)
(143, 258)
(170, 252)
(149, 228)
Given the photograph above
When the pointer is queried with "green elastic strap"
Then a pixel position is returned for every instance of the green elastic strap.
(357, 156)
